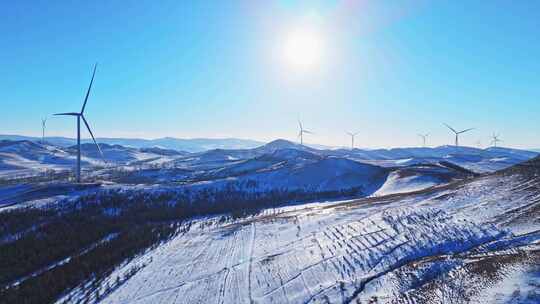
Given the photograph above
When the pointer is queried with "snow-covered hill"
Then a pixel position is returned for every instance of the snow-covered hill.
(327, 174)
(285, 171)
(422, 176)
(280, 165)
(457, 243)
(478, 160)
(190, 145)
(27, 158)
(122, 155)
(291, 168)
(464, 238)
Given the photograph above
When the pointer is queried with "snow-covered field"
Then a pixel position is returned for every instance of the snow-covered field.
(386, 249)
(428, 229)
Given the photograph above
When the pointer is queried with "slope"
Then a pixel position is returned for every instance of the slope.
(400, 249)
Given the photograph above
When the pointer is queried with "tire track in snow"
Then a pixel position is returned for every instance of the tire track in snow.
(250, 261)
(230, 266)
(165, 289)
(222, 290)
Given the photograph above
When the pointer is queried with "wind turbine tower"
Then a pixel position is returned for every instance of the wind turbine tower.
(495, 139)
(457, 133)
(43, 123)
(424, 139)
(352, 135)
(80, 115)
(302, 132)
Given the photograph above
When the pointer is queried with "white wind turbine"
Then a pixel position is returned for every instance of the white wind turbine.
(80, 115)
(457, 133)
(424, 138)
(352, 135)
(302, 132)
(43, 123)
(495, 139)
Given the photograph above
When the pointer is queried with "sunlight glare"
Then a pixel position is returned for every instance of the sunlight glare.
(303, 48)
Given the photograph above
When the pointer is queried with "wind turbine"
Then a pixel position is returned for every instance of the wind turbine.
(43, 122)
(458, 133)
(352, 135)
(424, 138)
(80, 115)
(302, 131)
(495, 139)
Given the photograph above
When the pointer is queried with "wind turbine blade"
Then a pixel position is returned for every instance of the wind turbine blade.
(308, 132)
(93, 138)
(450, 128)
(67, 114)
(465, 131)
(89, 88)
(300, 124)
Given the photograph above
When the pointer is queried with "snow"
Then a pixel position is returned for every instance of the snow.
(396, 184)
(323, 251)
(403, 161)
(328, 174)
(337, 252)
(25, 158)
(520, 286)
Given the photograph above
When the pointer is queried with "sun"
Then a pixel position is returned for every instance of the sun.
(303, 48)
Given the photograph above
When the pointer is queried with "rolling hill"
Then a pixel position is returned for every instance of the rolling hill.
(189, 145)
(470, 241)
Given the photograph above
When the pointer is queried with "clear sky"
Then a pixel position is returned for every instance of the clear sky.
(249, 69)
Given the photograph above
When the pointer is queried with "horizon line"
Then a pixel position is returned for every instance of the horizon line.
(32, 137)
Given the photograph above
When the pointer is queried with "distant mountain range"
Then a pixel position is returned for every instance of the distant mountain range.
(180, 144)
(280, 165)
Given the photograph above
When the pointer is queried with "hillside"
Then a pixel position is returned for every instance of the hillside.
(27, 158)
(399, 249)
(190, 145)
(421, 176)
(22, 158)
(240, 240)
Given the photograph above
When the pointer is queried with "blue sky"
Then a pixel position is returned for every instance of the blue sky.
(389, 69)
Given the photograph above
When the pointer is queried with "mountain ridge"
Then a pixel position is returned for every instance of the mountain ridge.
(180, 144)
